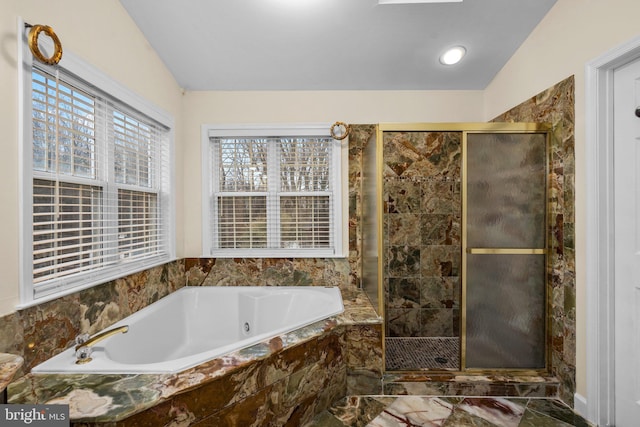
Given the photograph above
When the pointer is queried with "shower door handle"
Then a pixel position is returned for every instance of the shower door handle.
(506, 251)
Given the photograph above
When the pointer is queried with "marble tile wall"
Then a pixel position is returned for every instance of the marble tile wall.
(286, 389)
(422, 216)
(364, 359)
(364, 341)
(556, 106)
(407, 292)
(268, 272)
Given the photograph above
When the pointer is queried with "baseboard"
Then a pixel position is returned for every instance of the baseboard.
(580, 405)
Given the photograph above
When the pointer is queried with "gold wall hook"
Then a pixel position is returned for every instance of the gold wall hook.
(34, 33)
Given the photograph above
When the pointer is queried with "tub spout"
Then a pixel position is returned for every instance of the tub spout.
(84, 347)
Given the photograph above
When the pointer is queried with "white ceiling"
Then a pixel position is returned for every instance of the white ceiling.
(333, 44)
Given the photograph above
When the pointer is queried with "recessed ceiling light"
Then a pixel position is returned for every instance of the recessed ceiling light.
(453, 55)
(417, 1)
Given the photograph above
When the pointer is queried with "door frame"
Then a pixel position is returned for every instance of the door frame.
(600, 332)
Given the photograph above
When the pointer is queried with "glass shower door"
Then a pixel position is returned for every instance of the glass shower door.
(504, 251)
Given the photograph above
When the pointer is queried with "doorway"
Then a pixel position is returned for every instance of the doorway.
(627, 250)
(603, 401)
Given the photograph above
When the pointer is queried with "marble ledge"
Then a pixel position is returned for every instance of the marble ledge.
(357, 309)
(9, 365)
(458, 378)
(109, 397)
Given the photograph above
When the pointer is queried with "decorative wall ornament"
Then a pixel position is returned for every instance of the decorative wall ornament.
(34, 33)
(340, 130)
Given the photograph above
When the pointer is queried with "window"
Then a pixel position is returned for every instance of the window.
(272, 192)
(97, 196)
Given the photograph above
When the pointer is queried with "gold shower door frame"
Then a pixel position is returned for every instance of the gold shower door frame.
(467, 128)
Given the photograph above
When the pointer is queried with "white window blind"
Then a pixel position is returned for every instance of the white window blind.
(274, 195)
(101, 184)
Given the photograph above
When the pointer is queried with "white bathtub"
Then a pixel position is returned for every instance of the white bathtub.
(196, 324)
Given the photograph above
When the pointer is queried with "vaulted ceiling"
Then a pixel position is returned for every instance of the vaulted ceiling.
(334, 44)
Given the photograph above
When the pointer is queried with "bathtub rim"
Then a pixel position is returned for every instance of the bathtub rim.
(259, 344)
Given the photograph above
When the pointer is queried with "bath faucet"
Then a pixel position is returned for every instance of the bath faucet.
(83, 349)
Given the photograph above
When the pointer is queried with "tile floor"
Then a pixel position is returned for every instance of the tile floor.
(422, 353)
(414, 411)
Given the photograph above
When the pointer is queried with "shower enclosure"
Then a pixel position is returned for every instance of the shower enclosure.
(462, 245)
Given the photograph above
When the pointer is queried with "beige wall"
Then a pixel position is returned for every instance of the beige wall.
(101, 33)
(572, 34)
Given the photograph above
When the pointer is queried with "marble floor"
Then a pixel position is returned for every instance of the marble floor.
(414, 411)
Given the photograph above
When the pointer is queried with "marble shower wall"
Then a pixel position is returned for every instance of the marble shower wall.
(359, 137)
(556, 105)
(422, 215)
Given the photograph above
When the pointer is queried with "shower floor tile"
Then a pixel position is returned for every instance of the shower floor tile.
(415, 354)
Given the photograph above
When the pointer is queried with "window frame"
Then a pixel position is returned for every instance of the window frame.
(339, 172)
(30, 293)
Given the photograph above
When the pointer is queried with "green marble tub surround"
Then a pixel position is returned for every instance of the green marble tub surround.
(113, 398)
(303, 372)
